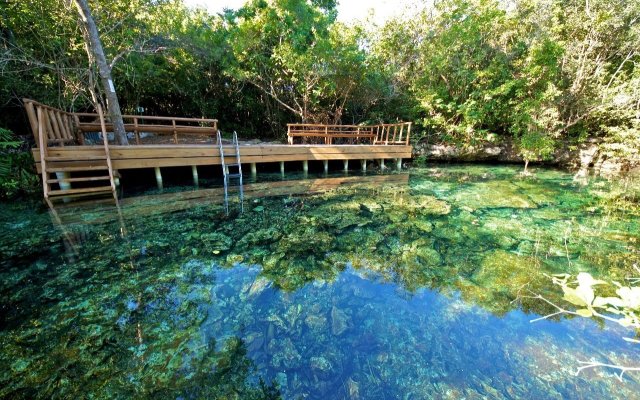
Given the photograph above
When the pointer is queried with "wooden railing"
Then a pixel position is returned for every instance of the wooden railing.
(65, 128)
(88, 122)
(59, 127)
(387, 134)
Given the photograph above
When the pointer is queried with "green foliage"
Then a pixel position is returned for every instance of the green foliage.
(296, 54)
(16, 166)
(536, 73)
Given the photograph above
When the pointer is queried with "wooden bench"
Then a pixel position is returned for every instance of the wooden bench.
(387, 134)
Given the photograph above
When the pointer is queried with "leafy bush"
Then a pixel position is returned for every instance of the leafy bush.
(16, 167)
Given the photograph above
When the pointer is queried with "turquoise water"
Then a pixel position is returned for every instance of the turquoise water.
(414, 285)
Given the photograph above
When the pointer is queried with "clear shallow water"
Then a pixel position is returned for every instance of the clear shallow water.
(405, 286)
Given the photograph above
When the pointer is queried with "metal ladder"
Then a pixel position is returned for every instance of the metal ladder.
(225, 169)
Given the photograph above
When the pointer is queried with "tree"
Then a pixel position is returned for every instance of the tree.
(293, 52)
(96, 52)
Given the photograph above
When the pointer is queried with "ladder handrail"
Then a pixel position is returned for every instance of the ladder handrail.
(106, 149)
(225, 172)
(43, 154)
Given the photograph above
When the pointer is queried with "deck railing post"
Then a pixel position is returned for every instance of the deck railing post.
(136, 133)
(175, 132)
(79, 132)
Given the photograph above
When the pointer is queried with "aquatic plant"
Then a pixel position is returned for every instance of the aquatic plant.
(623, 308)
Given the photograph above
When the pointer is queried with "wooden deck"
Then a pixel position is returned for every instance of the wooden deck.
(66, 147)
(152, 156)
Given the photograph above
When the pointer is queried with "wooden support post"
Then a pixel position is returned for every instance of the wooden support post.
(194, 173)
(364, 165)
(282, 168)
(159, 178)
(382, 167)
(346, 165)
(64, 184)
(305, 167)
(399, 164)
(325, 163)
(254, 170)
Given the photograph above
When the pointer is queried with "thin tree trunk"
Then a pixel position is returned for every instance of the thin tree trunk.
(95, 45)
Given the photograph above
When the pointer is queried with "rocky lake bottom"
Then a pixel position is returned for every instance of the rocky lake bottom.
(414, 285)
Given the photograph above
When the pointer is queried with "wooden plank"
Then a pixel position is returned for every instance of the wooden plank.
(63, 128)
(83, 179)
(42, 152)
(54, 123)
(127, 157)
(33, 119)
(182, 151)
(68, 121)
(47, 125)
(79, 191)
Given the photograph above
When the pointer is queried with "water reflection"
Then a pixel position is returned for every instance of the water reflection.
(392, 286)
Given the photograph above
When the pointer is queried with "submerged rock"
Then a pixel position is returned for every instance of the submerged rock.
(259, 286)
(316, 322)
(493, 194)
(254, 341)
(354, 389)
(285, 355)
(321, 364)
(339, 321)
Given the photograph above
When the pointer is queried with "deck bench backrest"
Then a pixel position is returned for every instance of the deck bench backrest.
(63, 127)
(60, 127)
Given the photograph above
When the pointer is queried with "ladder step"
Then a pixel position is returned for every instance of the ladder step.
(234, 175)
(79, 191)
(75, 158)
(232, 164)
(84, 179)
(78, 169)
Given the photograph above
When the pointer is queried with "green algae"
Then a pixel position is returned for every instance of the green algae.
(368, 291)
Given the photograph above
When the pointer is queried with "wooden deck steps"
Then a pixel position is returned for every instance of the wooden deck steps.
(82, 168)
(63, 165)
(82, 179)
(81, 191)
(78, 157)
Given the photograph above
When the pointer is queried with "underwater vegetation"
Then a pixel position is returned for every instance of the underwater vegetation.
(415, 288)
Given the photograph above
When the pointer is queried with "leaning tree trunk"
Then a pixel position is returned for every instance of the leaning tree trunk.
(95, 46)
